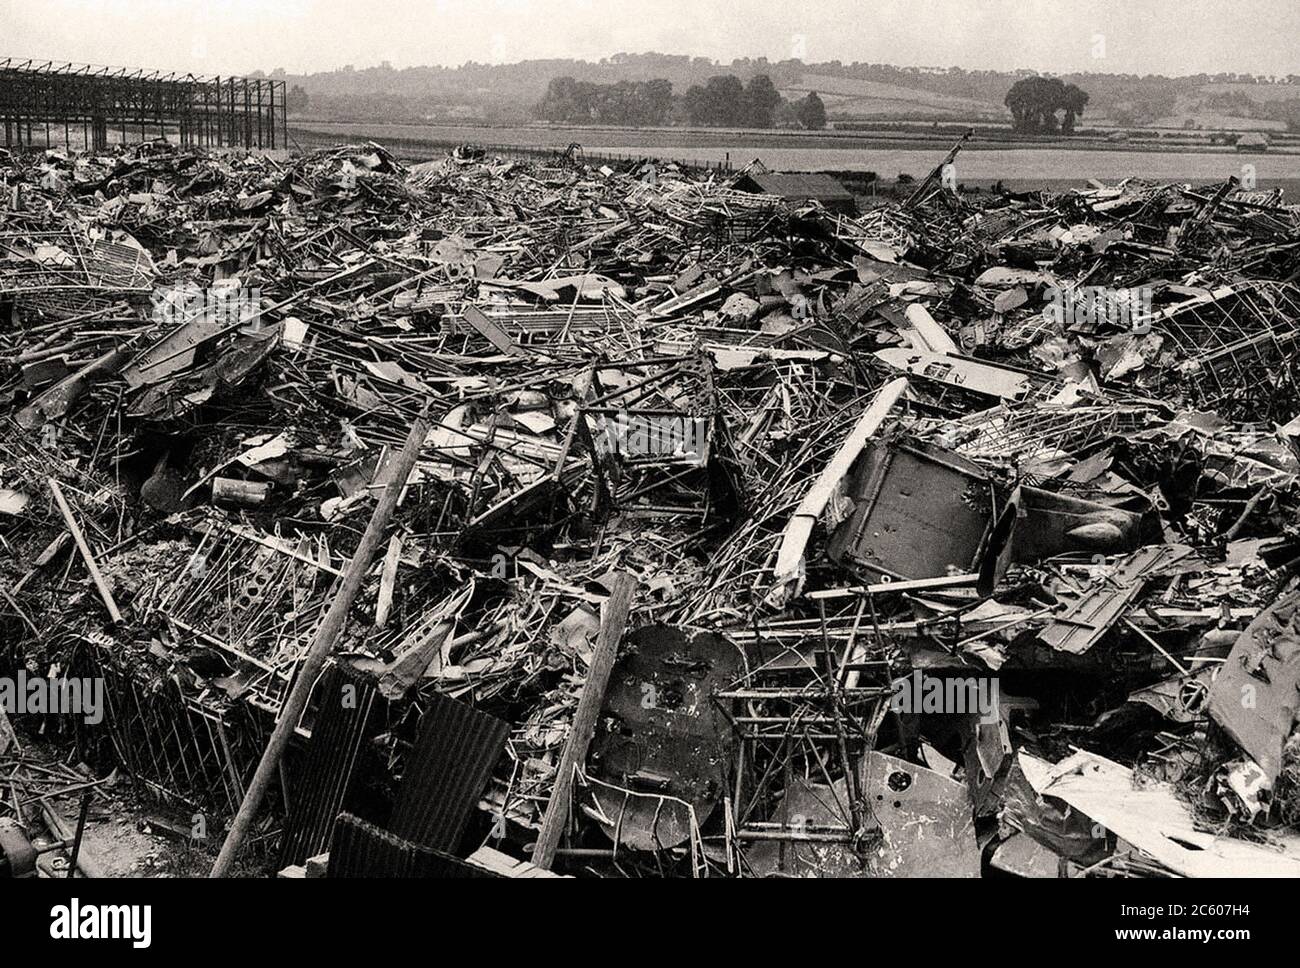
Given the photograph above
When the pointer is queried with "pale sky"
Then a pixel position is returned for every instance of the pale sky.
(237, 36)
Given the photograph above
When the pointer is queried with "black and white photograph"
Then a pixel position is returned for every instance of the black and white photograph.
(650, 441)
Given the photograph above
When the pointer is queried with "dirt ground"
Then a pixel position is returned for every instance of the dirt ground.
(128, 833)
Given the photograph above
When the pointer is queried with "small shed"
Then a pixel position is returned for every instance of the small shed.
(799, 186)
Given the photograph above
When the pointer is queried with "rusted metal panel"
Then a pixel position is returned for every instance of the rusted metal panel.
(920, 512)
(663, 737)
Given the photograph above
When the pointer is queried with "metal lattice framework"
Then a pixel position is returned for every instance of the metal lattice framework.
(811, 712)
(47, 103)
(190, 750)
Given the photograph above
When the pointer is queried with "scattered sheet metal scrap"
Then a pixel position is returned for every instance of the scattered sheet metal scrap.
(755, 539)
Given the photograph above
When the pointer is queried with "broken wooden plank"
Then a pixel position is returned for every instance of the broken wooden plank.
(102, 586)
(613, 623)
(387, 579)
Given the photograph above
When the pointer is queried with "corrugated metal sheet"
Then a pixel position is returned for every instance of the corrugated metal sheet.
(321, 784)
(446, 772)
(361, 849)
(1082, 623)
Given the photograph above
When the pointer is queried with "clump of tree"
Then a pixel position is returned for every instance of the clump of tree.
(758, 107)
(725, 102)
(1034, 102)
(808, 113)
(624, 102)
(811, 112)
(717, 102)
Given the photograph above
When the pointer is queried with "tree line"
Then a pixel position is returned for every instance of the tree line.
(723, 101)
(509, 93)
(624, 102)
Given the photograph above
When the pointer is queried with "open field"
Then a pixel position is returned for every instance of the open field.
(1017, 166)
(857, 97)
(609, 137)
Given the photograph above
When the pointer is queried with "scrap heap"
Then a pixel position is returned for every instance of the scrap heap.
(958, 536)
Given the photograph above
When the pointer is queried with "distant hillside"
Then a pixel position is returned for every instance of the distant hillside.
(510, 92)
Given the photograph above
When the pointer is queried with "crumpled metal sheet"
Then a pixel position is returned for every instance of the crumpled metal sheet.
(1150, 816)
(1257, 692)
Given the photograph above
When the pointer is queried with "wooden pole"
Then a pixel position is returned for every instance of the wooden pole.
(80, 539)
(612, 623)
(321, 646)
